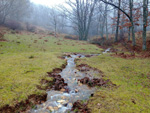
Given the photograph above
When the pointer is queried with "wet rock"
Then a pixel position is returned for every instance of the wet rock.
(63, 97)
(74, 79)
(70, 105)
(77, 75)
(88, 55)
(56, 108)
(63, 90)
(92, 95)
(63, 102)
(59, 106)
(76, 90)
(50, 108)
(79, 83)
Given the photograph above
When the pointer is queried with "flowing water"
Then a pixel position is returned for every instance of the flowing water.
(61, 102)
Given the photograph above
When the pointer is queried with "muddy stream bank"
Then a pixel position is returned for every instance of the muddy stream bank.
(70, 86)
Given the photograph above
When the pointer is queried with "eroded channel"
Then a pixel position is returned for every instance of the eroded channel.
(62, 101)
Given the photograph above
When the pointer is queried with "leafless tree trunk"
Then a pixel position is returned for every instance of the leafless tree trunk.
(5, 8)
(118, 20)
(132, 23)
(82, 13)
(145, 15)
(129, 17)
(54, 16)
(129, 33)
(106, 22)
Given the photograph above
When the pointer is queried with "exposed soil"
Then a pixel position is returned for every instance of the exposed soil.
(126, 46)
(1, 37)
(135, 51)
(92, 82)
(57, 84)
(24, 105)
(78, 107)
(85, 68)
(58, 81)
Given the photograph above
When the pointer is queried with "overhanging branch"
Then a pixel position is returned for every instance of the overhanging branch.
(106, 2)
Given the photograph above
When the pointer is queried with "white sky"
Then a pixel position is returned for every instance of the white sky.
(48, 2)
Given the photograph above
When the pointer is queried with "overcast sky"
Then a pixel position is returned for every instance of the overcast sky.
(48, 2)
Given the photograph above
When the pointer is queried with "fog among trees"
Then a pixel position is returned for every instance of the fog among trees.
(84, 18)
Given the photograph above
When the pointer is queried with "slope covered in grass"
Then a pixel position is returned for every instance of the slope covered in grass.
(132, 77)
(26, 57)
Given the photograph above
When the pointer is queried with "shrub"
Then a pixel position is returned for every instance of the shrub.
(52, 33)
(71, 37)
(14, 25)
(1, 35)
(30, 27)
(102, 41)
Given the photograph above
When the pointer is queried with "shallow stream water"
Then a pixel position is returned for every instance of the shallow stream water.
(61, 102)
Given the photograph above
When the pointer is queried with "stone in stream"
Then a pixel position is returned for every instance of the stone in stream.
(59, 106)
(79, 83)
(63, 97)
(63, 102)
(76, 90)
(77, 75)
(50, 108)
(70, 105)
(56, 108)
(63, 90)
(74, 79)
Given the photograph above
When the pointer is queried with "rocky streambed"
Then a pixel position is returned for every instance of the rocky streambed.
(70, 85)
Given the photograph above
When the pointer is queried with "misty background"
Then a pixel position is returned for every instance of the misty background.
(60, 16)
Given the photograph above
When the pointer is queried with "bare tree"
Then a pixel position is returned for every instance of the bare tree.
(54, 19)
(13, 9)
(145, 15)
(81, 16)
(132, 23)
(128, 16)
(5, 8)
(118, 21)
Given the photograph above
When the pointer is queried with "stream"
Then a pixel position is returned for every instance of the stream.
(62, 102)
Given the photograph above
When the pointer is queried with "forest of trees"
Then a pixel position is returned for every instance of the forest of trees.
(84, 18)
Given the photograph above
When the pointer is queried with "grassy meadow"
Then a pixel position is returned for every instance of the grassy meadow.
(132, 77)
(26, 57)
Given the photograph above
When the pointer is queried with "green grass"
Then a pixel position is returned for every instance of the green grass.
(132, 76)
(24, 62)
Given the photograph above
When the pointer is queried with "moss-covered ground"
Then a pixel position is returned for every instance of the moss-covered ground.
(26, 57)
(132, 77)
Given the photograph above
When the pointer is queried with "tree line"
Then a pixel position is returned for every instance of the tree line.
(84, 18)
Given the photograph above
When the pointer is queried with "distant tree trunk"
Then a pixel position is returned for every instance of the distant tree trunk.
(129, 34)
(132, 23)
(114, 15)
(84, 12)
(118, 19)
(106, 23)
(102, 28)
(129, 17)
(145, 15)
(55, 29)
